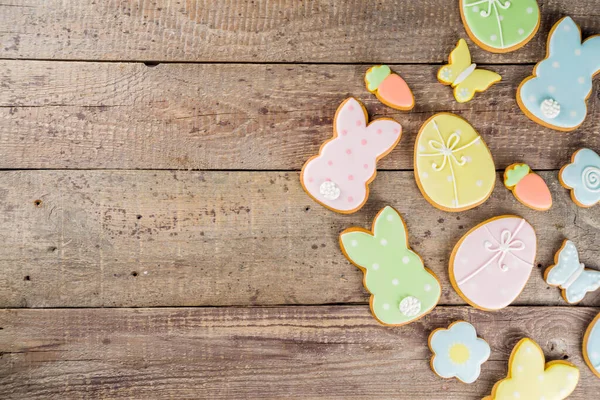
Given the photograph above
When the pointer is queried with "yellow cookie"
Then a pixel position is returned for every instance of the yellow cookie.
(454, 168)
(529, 378)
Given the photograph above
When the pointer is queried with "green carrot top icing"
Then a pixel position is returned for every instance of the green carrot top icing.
(515, 174)
(376, 75)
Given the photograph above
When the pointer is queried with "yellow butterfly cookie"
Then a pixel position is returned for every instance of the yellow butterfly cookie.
(529, 378)
(464, 76)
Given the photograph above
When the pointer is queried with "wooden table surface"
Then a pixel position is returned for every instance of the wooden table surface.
(157, 241)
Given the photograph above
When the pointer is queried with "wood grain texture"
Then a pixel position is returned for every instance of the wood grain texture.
(255, 117)
(165, 238)
(264, 353)
(341, 31)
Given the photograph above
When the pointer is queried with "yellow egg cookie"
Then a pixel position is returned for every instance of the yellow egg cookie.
(454, 168)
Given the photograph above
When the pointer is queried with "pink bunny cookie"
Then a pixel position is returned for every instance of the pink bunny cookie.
(338, 177)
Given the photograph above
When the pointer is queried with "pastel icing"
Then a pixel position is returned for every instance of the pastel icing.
(491, 264)
(500, 26)
(464, 76)
(338, 178)
(555, 95)
(402, 289)
(530, 379)
(389, 88)
(582, 176)
(591, 346)
(458, 352)
(454, 168)
(570, 274)
(528, 187)
(515, 174)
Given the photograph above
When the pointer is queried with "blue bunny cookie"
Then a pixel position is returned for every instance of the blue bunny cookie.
(555, 95)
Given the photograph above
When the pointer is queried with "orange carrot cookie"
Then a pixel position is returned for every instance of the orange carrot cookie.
(530, 379)
(500, 26)
(491, 264)
(454, 168)
(591, 346)
(402, 289)
(528, 187)
(464, 76)
(389, 88)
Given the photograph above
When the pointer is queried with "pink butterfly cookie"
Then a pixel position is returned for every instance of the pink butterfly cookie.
(338, 177)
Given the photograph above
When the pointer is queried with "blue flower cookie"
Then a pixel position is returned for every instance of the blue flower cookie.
(458, 352)
(582, 176)
(555, 95)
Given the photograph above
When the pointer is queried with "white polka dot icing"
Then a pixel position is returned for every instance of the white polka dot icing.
(500, 253)
(500, 25)
(527, 373)
(456, 171)
(402, 289)
(337, 177)
(571, 275)
(564, 76)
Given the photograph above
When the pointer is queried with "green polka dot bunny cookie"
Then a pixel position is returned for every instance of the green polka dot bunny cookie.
(500, 26)
(402, 289)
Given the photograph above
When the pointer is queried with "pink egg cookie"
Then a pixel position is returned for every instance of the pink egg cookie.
(338, 177)
(491, 264)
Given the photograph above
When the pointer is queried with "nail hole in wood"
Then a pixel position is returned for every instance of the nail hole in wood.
(37, 203)
(134, 274)
(139, 216)
(52, 249)
(27, 278)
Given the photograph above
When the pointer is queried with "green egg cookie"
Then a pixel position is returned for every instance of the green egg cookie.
(500, 26)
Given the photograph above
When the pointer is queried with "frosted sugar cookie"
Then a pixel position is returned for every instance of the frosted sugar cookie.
(555, 95)
(582, 176)
(491, 263)
(529, 378)
(389, 88)
(591, 346)
(458, 352)
(571, 275)
(464, 76)
(528, 187)
(402, 289)
(338, 177)
(500, 26)
(454, 168)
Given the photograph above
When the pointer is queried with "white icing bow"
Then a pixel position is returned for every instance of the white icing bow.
(506, 245)
(491, 4)
(447, 151)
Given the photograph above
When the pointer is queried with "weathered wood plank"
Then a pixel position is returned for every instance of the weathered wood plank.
(392, 31)
(263, 353)
(142, 238)
(177, 116)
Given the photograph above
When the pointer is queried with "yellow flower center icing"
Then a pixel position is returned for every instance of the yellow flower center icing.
(459, 353)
